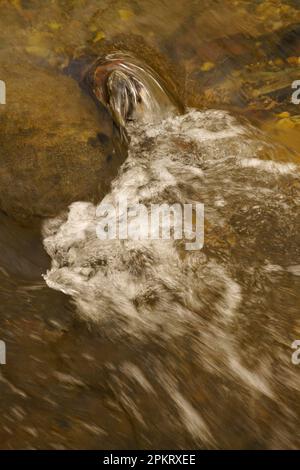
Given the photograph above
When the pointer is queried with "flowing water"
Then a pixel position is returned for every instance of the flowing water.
(143, 344)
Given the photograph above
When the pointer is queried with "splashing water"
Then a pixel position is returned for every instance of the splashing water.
(131, 90)
(211, 320)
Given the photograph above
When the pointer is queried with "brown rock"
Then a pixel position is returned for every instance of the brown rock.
(54, 147)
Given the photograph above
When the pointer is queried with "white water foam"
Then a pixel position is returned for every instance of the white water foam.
(152, 290)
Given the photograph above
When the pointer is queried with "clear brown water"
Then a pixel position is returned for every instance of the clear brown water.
(68, 384)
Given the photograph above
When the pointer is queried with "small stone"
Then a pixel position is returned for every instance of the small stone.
(285, 124)
(207, 66)
(37, 51)
(99, 36)
(283, 115)
(54, 26)
(125, 14)
(293, 60)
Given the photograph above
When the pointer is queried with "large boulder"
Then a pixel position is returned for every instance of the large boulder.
(55, 146)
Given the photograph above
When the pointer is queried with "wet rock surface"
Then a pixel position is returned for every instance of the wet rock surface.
(54, 149)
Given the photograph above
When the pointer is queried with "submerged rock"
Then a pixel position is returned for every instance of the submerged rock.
(54, 149)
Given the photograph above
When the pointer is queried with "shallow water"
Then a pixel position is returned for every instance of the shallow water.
(157, 348)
